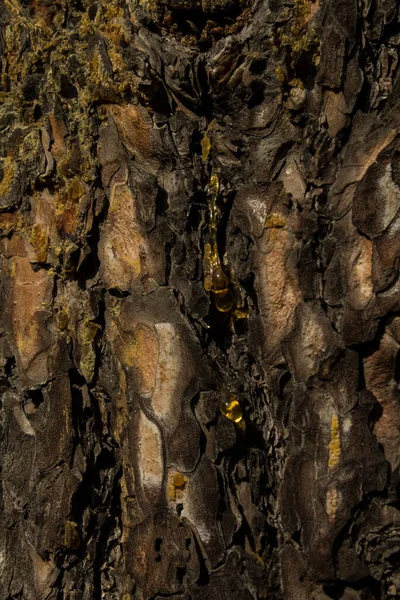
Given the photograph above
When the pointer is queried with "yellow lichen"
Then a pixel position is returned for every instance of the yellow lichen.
(62, 319)
(274, 220)
(40, 242)
(280, 74)
(72, 539)
(117, 61)
(171, 492)
(297, 83)
(99, 75)
(332, 501)
(129, 353)
(87, 331)
(67, 205)
(300, 37)
(334, 444)
(9, 171)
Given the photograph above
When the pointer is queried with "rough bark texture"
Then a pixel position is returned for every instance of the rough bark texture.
(121, 478)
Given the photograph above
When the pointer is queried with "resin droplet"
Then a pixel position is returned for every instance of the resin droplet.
(230, 408)
(220, 280)
(205, 147)
(179, 480)
(213, 186)
(223, 300)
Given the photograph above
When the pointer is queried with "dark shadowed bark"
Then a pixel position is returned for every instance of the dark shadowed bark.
(200, 296)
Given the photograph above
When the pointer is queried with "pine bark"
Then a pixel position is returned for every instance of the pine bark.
(121, 476)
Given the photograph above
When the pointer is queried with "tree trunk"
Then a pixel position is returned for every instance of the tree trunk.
(200, 299)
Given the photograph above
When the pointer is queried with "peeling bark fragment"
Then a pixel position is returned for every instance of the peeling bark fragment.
(279, 289)
(150, 458)
(377, 200)
(379, 370)
(29, 307)
(336, 112)
(124, 252)
(312, 345)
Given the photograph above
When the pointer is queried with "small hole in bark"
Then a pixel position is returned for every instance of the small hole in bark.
(254, 437)
(241, 326)
(158, 544)
(10, 366)
(281, 154)
(258, 66)
(283, 381)
(374, 415)
(394, 559)
(92, 12)
(249, 288)
(117, 293)
(180, 572)
(296, 537)
(306, 70)
(37, 112)
(335, 591)
(397, 368)
(36, 397)
(155, 95)
(161, 201)
(370, 584)
(67, 89)
(188, 21)
(257, 97)
(193, 20)
(196, 211)
(31, 87)
(78, 5)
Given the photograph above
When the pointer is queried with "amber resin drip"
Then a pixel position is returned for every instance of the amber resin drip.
(213, 188)
(215, 279)
(230, 408)
(223, 301)
(222, 294)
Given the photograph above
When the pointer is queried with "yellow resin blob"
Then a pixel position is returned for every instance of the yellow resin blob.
(223, 300)
(220, 281)
(222, 295)
(230, 408)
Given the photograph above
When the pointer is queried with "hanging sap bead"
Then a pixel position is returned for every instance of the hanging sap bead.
(213, 186)
(223, 301)
(222, 295)
(230, 408)
(220, 280)
(179, 480)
